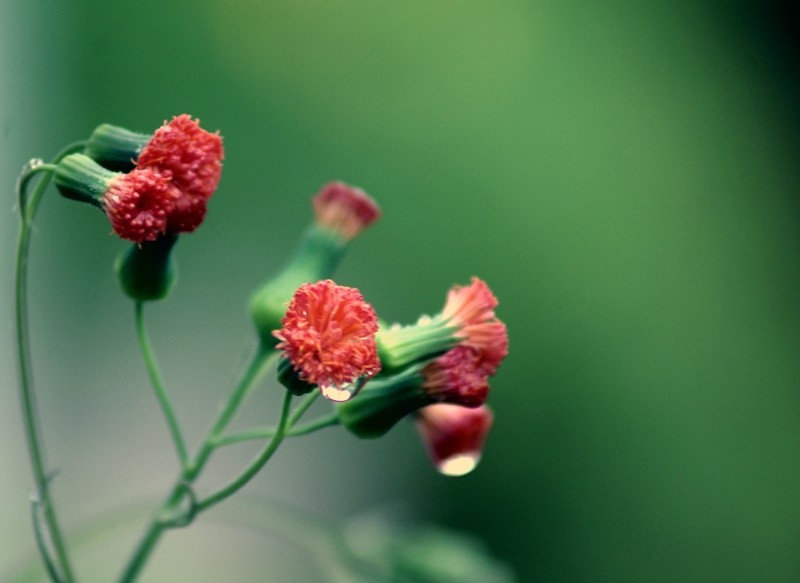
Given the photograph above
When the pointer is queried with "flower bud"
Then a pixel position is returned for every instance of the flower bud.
(147, 272)
(342, 212)
(454, 436)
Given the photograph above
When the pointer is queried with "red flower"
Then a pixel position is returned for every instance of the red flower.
(471, 309)
(191, 158)
(459, 376)
(345, 209)
(138, 204)
(454, 436)
(328, 334)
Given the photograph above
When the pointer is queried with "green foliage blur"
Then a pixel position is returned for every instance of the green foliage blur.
(624, 175)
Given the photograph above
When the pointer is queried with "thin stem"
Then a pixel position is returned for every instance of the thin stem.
(158, 386)
(304, 405)
(30, 416)
(258, 365)
(312, 426)
(266, 432)
(256, 465)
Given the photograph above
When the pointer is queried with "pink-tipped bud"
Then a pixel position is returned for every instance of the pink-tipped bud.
(345, 209)
(328, 335)
(192, 158)
(454, 436)
(459, 376)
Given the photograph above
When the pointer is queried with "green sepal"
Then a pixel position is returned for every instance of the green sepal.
(383, 402)
(400, 346)
(116, 148)
(80, 178)
(316, 258)
(289, 378)
(147, 272)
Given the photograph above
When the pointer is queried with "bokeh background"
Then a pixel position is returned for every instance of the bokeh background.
(624, 175)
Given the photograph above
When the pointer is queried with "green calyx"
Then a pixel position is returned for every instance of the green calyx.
(80, 178)
(115, 148)
(316, 258)
(383, 402)
(147, 272)
(289, 378)
(400, 346)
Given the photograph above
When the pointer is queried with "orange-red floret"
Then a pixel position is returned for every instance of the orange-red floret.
(345, 209)
(459, 376)
(471, 309)
(192, 158)
(328, 334)
(138, 204)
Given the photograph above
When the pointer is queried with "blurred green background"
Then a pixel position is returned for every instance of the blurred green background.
(625, 176)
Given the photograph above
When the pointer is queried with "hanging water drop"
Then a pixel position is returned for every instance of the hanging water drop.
(458, 465)
(338, 394)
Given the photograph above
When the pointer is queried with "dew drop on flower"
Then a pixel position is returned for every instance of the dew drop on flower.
(458, 465)
(343, 392)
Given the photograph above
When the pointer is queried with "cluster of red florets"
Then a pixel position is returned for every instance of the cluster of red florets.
(176, 173)
(461, 375)
(329, 334)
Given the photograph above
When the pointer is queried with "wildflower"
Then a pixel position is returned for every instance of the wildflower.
(192, 158)
(459, 377)
(345, 210)
(341, 213)
(328, 335)
(189, 156)
(454, 436)
(137, 204)
(468, 319)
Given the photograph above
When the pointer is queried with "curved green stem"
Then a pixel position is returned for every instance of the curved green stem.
(30, 416)
(312, 426)
(256, 465)
(158, 386)
(258, 365)
(291, 431)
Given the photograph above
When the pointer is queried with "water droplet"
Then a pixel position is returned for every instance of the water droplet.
(424, 320)
(343, 392)
(34, 163)
(459, 465)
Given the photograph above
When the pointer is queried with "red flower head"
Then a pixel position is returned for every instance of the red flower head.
(454, 436)
(328, 335)
(191, 157)
(138, 204)
(467, 320)
(345, 209)
(459, 376)
(471, 309)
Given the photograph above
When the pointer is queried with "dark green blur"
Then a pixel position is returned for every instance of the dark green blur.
(624, 175)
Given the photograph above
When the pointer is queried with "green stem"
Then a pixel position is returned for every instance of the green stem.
(30, 417)
(158, 386)
(256, 465)
(191, 470)
(266, 432)
(315, 425)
